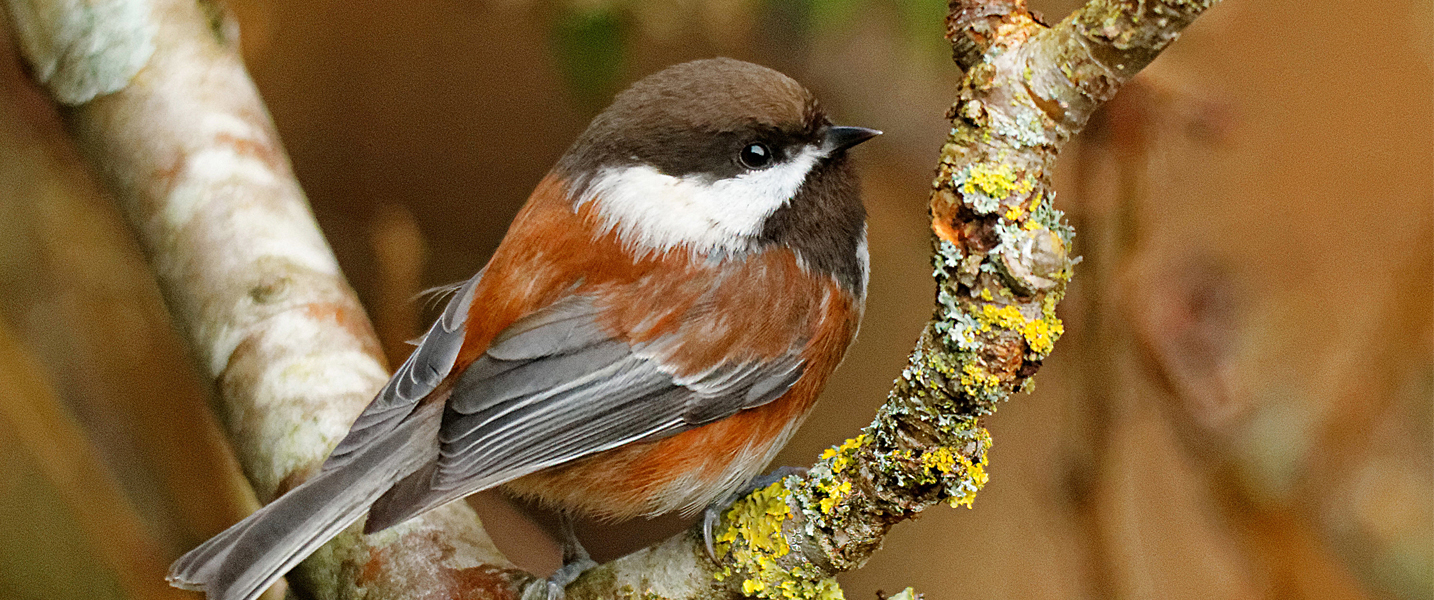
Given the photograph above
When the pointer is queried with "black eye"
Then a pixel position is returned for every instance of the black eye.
(755, 156)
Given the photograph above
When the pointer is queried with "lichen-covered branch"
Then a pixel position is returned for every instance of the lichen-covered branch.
(157, 98)
(1001, 262)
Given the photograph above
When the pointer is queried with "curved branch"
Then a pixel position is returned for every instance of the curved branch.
(157, 98)
(1001, 265)
(161, 105)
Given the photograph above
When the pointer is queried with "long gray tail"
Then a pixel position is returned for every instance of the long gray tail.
(244, 560)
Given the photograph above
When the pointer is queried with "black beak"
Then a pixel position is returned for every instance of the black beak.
(841, 138)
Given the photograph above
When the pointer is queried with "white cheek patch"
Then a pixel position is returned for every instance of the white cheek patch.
(654, 212)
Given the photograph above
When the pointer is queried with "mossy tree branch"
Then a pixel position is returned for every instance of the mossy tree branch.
(156, 97)
(1001, 265)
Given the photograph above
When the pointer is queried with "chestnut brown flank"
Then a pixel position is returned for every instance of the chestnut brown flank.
(759, 308)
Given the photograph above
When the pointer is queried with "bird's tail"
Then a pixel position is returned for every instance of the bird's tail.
(244, 560)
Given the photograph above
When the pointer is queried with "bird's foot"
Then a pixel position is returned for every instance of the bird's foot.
(576, 561)
(555, 586)
(713, 514)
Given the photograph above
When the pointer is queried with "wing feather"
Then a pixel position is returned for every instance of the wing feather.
(555, 387)
(425, 368)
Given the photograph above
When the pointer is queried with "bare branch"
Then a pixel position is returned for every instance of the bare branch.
(159, 101)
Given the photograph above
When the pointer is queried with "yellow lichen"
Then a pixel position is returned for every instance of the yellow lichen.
(960, 466)
(826, 490)
(996, 181)
(1007, 317)
(834, 495)
(841, 455)
(1040, 334)
(977, 381)
(754, 539)
(941, 459)
(1043, 332)
(977, 477)
(756, 521)
(974, 471)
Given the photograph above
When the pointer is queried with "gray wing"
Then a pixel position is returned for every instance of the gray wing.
(426, 366)
(554, 387)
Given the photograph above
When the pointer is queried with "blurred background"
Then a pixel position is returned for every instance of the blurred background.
(1243, 405)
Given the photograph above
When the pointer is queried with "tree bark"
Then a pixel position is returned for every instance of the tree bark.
(157, 98)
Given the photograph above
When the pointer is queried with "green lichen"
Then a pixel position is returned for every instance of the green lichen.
(1026, 129)
(957, 328)
(936, 367)
(754, 540)
(1045, 215)
(1009, 236)
(946, 259)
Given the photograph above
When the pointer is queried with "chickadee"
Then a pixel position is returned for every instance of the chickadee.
(655, 325)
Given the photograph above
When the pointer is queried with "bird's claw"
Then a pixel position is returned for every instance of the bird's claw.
(710, 517)
(543, 589)
(555, 586)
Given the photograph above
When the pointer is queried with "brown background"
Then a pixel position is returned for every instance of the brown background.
(1241, 407)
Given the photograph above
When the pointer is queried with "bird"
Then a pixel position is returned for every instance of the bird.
(654, 326)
